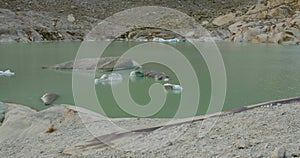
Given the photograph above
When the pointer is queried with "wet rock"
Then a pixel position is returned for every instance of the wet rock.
(225, 19)
(279, 153)
(49, 98)
(150, 74)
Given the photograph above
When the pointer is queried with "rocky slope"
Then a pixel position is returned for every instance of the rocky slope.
(263, 21)
(40, 20)
(61, 130)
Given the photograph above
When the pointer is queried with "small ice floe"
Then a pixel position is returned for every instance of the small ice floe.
(49, 98)
(173, 87)
(142, 40)
(7, 73)
(109, 78)
(174, 40)
(149, 74)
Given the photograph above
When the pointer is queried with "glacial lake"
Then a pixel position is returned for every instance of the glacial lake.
(255, 73)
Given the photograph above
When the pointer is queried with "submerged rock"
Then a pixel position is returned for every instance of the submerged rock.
(150, 74)
(104, 64)
(49, 98)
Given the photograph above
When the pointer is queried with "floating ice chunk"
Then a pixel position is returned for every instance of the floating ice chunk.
(7, 73)
(113, 77)
(173, 87)
(174, 40)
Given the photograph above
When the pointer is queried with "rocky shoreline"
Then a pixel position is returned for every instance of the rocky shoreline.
(265, 21)
(66, 131)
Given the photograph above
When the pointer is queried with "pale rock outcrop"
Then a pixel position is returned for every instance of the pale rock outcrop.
(273, 21)
(223, 20)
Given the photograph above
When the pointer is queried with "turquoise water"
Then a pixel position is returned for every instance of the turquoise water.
(255, 73)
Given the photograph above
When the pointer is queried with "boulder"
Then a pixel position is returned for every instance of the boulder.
(49, 98)
(224, 19)
(100, 64)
